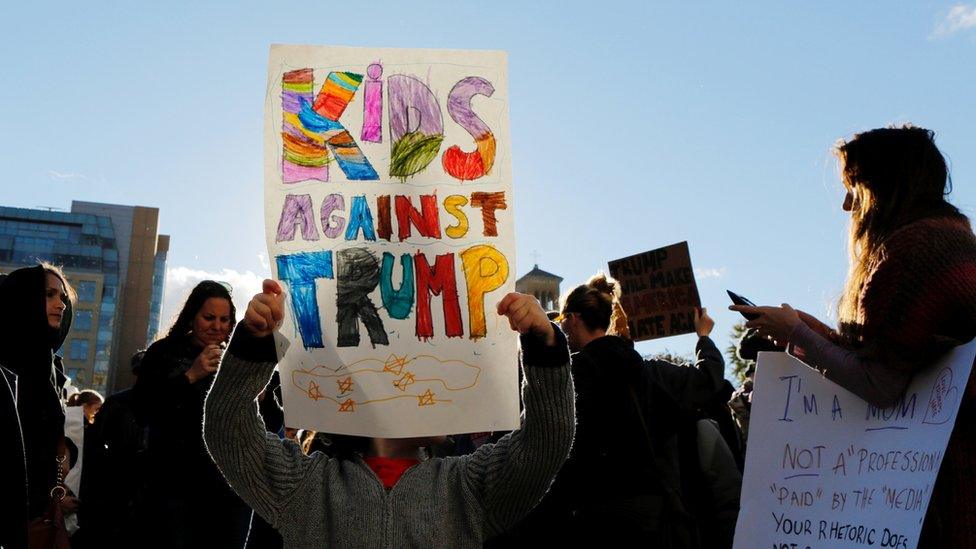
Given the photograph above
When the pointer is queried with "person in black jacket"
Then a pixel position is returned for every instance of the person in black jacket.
(192, 505)
(13, 468)
(622, 484)
(36, 318)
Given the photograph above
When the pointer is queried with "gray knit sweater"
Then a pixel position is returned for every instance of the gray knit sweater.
(315, 501)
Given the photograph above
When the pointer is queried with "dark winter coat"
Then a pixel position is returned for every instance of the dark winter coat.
(13, 468)
(194, 506)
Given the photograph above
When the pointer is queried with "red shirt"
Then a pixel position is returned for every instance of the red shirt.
(389, 470)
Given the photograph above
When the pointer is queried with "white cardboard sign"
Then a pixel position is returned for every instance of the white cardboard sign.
(826, 469)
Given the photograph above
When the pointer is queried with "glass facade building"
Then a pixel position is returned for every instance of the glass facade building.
(84, 245)
(158, 281)
(115, 259)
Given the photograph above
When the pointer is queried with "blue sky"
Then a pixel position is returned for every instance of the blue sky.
(634, 124)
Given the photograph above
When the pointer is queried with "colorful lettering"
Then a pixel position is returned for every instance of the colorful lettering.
(489, 202)
(360, 218)
(462, 165)
(322, 119)
(359, 274)
(397, 302)
(485, 270)
(332, 224)
(383, 227)
(296, 211)
(452, 205)
(428, 222)
(437, 281)
(373, 105)
(303, 154)
(416, 125)
(300, 271)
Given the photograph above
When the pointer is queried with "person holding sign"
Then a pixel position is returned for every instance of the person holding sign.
(395, 499)
(910, 296)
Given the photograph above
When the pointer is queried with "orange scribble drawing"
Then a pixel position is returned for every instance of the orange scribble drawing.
(395, 364)
(412, 377)
(313, 390)
(345, 385)
(403, 382)
(427, 399)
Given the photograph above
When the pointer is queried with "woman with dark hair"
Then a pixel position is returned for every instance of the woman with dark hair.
(910, 296)
(37, 316)
(191, 504)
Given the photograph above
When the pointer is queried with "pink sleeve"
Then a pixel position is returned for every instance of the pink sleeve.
(871, 380)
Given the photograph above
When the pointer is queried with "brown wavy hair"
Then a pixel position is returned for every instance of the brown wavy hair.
(896, 175)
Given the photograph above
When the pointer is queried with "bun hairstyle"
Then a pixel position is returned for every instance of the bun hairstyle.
(597, 303)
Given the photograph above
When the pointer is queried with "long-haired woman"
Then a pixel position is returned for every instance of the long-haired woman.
(910, 296)
(191, 504)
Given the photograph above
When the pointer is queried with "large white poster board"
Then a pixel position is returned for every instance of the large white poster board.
(389, 219)
(826, 469)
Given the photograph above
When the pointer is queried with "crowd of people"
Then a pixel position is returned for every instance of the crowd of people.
(613, 448)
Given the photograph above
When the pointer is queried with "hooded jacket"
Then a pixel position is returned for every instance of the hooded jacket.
(13, 472)
(27, 347)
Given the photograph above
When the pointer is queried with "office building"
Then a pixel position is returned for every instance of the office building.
(115, 259)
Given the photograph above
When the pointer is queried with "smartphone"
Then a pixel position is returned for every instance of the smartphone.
(739, 300)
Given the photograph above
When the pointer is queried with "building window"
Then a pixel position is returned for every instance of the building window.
(86, 291)
(79, 349)
(83, 320)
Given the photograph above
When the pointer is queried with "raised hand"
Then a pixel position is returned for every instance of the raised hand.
(526, 316)
(266, 309)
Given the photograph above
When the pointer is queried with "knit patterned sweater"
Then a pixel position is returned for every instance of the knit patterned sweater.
(315, 501)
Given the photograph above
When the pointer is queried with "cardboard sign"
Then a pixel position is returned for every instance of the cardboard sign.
(389, 215)
(659, 293)
(826, 469)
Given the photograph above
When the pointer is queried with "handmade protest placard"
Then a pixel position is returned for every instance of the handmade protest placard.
(388, 213)
(826, 469)
(659, 293)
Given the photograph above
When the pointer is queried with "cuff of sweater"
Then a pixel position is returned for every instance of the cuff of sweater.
(245, 346)
(535, 353)
(801, 338)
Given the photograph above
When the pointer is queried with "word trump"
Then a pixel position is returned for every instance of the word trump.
(358, 272)
(313, 135)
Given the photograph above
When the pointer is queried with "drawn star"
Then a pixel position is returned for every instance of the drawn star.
(395, 364)
(402, 383)
(348, 405)
(345, 385)
(427, 399)
(313, 390)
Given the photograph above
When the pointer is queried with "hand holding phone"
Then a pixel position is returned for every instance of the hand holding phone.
(739, 300)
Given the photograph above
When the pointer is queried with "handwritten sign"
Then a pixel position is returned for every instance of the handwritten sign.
(826, 469)
(388, 206)
(659, 293)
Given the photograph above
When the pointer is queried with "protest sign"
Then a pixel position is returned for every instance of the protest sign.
(388, 212)
(826, 469)
(659, 293)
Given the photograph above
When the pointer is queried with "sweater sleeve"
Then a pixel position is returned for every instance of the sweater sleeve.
(511, 476)
(264, 470)
(692, 387)
(869, 379)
